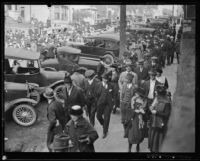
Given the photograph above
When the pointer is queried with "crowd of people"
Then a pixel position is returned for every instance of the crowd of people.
(36, 41)
(136, 86)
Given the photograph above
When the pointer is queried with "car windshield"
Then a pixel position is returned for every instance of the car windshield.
(14, 66)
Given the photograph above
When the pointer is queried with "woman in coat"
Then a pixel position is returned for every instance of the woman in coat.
(82, 133)
(160, 109)
(135, 129)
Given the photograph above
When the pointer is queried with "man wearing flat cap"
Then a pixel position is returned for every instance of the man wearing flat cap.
(141, 72)
(78, 78)
(90, 86)
(73, 95)
(55, 116)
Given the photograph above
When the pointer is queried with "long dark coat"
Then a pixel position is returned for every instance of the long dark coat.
(83, 127)
(91, 99)
(156, 133)
(75, 98)
(55, 111)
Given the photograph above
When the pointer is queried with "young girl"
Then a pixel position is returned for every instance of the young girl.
(136, 126)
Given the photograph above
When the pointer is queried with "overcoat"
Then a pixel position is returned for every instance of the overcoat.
(75, 130)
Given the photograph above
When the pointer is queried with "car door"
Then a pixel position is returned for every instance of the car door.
(99, 48)
(88, 46)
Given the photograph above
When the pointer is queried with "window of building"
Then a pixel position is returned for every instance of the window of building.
(9, 7)
(15, 7)
(57, 16)
(57, 12)
(22, 12)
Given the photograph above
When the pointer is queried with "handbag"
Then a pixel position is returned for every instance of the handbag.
(157, 122)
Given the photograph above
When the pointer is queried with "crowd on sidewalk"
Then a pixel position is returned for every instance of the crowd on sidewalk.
(136, 86)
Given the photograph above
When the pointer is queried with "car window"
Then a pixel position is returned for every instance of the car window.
(89, 41)
(110, 44)
(24, 66)
(99, 43)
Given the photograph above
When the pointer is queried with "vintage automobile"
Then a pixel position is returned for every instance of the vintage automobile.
(21, 99)
(106, 45)
(68, 58)
(23, 66)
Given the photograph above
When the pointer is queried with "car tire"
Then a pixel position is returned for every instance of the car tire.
(24, 114)
(110, 56)
(58, 93)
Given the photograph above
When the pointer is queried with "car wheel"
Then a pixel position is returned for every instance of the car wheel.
(109, 60)
(24, 114)
(58, 93)
(35, 96)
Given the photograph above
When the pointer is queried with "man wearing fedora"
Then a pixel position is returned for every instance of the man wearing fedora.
(73, 95)
(104, 94)
(55, 115)
(82, 134)
(90, 87)
(141, 72)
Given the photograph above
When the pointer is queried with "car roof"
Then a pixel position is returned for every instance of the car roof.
(68, 49)
(107, 36)
(142, 29)
(20, 53)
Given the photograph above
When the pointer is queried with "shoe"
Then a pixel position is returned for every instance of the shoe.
(104, 135)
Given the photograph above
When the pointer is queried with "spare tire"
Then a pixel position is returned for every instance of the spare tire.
(109, 56)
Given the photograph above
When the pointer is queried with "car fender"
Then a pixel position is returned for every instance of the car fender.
(20, 100)
(53, 85)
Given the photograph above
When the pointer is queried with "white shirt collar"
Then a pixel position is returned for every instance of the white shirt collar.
(90, 81)
(129, 85)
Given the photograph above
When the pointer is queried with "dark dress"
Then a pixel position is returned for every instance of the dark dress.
(135, 129)
(159, 122)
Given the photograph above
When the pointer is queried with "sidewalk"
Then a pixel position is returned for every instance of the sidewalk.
(181, 132)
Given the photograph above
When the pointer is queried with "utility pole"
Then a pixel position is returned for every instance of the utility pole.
(122, 30)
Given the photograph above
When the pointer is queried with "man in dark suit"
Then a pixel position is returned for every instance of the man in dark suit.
(73, 95)
(100, 68)
(55, 115)
(141, 72)
(89, 89)
(149, 87)
(104, 103)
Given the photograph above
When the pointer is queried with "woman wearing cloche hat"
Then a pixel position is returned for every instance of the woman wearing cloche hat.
(82, 134)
